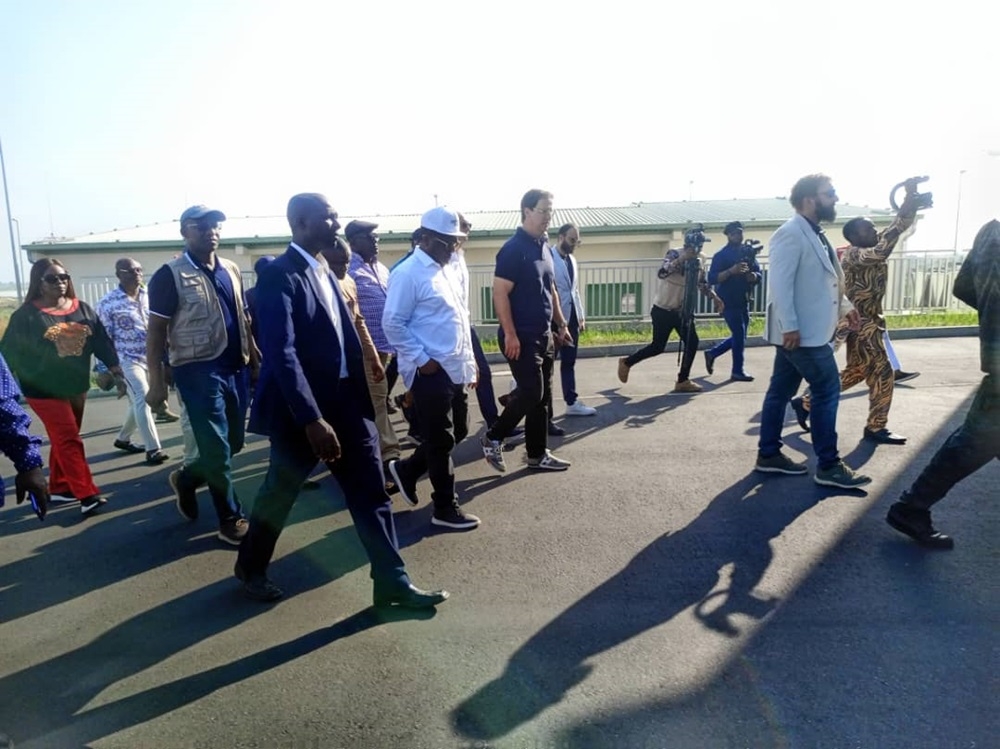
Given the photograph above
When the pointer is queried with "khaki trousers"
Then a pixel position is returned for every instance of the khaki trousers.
(388, 440)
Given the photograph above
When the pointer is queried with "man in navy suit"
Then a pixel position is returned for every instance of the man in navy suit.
(312, 401)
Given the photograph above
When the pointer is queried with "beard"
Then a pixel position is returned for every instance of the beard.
(825, 213)
(567, 249)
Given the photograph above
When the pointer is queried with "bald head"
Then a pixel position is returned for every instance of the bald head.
(129, 274)
(313, 222)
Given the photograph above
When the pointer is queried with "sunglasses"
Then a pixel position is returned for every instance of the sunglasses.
(131, 271)
(54, 278)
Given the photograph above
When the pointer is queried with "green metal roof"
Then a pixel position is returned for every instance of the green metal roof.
(635, 218)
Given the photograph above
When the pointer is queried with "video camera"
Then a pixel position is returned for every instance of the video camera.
(923, 200)
(749, 250)
(695, 237)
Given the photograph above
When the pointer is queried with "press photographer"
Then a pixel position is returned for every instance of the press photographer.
(682, 278)
(734, 273)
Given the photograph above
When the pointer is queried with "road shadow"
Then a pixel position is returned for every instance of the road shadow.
(49, 701)
(679, 570)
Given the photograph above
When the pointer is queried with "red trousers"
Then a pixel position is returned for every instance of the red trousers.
(68, 469)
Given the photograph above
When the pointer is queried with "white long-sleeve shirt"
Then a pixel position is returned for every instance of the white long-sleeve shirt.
(425, 318)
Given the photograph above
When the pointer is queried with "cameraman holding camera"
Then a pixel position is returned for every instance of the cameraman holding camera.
(673, 309)
(734, 273)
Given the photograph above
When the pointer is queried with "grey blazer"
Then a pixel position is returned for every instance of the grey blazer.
(805, 289)
(569, 291)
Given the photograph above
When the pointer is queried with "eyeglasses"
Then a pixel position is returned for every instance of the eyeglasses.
(131, 271)
(547, 212)
(203, 226)
(54, 278)
(449, 242)
(828, 194)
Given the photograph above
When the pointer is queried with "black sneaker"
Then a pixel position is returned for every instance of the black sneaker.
(232, 531)
(901, 376)
(406, 485)
(89, 505)
(916, 523)
(453, 518)
(709, 362)
(185, 497)
(257, 587)
(155, 457)
(841, 476)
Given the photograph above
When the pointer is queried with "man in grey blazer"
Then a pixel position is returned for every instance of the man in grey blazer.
(805, 302)
(567, 275)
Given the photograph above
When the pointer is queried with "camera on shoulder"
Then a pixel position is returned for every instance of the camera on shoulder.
(921, 199)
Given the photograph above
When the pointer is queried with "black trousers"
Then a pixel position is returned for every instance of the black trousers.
(443, 415)
(665, 322)
(532, 398)
(359, 473)
(969, 448)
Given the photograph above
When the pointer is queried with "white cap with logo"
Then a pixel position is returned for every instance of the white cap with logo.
(442, 220)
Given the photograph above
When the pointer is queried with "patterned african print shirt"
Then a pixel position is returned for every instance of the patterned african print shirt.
(866, 272)
(16, 442)
(127, 321)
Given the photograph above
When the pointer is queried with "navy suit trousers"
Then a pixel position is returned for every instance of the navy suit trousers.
(359, 473)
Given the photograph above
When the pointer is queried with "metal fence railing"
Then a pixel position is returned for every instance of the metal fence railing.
(621, 291)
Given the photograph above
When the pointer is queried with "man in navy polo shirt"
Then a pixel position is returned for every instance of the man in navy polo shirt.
(527, 305)
(734, 276)
(196, 304)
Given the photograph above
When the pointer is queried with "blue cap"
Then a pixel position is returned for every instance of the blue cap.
(198, 212)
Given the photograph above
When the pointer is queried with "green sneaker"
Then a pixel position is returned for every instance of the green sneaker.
(841, 476)
(780, 463)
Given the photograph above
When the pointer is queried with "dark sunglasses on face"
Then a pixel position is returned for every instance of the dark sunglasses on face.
(131, 271)
(54, 278)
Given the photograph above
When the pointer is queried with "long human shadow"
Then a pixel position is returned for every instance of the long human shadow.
(51, 698)
(678, 570)
(884, 644)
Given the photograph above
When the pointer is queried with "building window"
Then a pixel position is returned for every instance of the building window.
(614, 299)
(486, 311)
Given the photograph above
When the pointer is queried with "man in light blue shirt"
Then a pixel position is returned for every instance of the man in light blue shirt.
(427, 322)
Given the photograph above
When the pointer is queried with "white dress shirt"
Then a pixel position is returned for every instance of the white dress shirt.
(319, 274)
(426, 318)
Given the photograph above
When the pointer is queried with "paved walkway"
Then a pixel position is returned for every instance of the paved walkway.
(658, 594)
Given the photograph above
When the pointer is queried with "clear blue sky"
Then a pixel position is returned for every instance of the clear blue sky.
(119, 113)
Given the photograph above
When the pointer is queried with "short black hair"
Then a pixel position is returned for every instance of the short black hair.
(851, 228)
(564, 229)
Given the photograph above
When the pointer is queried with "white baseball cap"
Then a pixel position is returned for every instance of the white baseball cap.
(442, 220)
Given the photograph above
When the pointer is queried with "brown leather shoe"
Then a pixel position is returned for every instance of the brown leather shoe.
(623, 369)
(686, 386)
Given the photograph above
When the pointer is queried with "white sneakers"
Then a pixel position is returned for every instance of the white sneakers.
(579, 409)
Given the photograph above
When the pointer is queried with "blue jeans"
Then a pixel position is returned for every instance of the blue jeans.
(567, 361)
(816, 365)
(737, 317)
(217, 407)
(484, 388)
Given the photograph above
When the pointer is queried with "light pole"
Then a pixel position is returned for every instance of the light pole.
(958, 209)
(10, 225)
(19, 259)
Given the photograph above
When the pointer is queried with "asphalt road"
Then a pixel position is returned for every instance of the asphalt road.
(658, 594)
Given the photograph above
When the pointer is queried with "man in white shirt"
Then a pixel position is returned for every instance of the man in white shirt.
(426, 321)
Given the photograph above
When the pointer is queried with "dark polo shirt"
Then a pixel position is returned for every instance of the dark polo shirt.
(525, 262)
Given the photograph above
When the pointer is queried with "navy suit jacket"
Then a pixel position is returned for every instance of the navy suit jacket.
(300, 371)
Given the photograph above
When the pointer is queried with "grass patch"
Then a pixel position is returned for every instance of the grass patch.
(712, 328)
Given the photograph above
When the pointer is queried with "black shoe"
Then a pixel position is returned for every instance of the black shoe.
(741, 377)
(310, 485)
(884, 437)
(555, 430)
(409, 597)
(900, 376)
(709, 362)
(405, 484)
(916, 523)
(155, 457)
(129, 447)
(390, 408)
(185, 498)
(452, 518)
(257, 587)
(800, 413)
(89, 505)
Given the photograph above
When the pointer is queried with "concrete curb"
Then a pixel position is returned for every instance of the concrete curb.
(623, 349)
